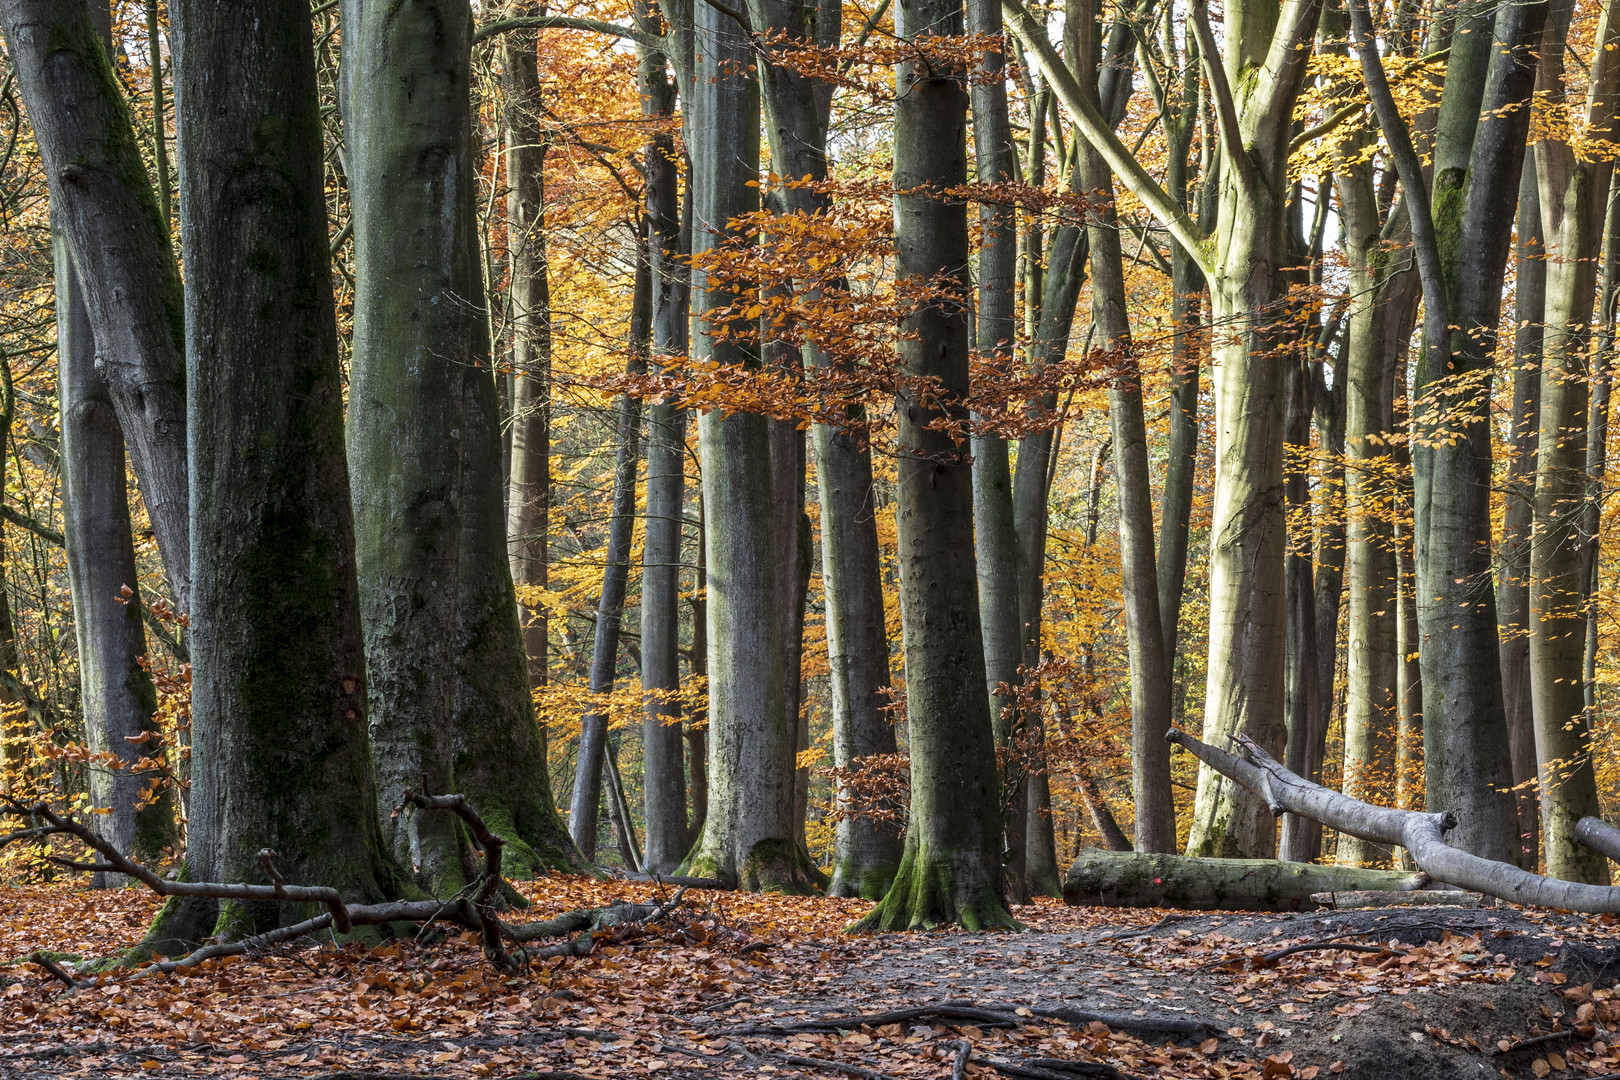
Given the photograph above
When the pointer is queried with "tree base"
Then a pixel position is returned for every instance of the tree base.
(779, 866)
(934, 891)
(857, 882)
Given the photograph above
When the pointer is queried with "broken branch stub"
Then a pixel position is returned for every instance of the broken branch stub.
(1421, 834)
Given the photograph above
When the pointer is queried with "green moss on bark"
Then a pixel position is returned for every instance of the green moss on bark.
(932, 891)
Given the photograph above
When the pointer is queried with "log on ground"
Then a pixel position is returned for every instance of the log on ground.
(1131, 879)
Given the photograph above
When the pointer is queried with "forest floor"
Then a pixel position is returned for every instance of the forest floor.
(717, 989)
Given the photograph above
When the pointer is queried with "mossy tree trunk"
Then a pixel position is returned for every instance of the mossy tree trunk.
(951, 868)
(418, 330)
(280, 756)
(102, 197)
(1572, 211)
(749, 837)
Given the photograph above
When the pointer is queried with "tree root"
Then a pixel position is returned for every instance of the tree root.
(476, 912)
(997, 1016)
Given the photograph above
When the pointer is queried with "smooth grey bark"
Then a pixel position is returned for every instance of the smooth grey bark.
(664, 785)
(279, 690)
(160, 131)
(115, 692)
(1573, 208)
(749, 838)
(1597, 435)
(995, 537)
(528, 497)
(1408, 674)
(1370, 708)
(103, 199)
(418, 332)
(951, 870)
(585, 802)
(1149, 668)
(1513, 572)
(1478, 161)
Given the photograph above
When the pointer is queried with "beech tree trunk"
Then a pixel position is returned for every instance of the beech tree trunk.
(664, 785)
(1513, 575)
(115, 692)
(104, 204)
(994, 533)
(418, 332)
(528, 498)
(1572, 216)
(749, 837)
(951, 871)
(279, 687)
(1112, 879)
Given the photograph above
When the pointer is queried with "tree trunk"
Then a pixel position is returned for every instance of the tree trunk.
(1370, 714)
(1513, 575)
(1478, 161)
(1112, 879)
(1150, 674)
(528, 498)
(1409, 674)
(279, 690)
(115, 692)
(417, 335)
(951, 871)
(585, 803)
(105, 206)
(749, 839)
(1572, 216)
(994, 534)
(1597, 438)
(664, 785)
(1302, 703)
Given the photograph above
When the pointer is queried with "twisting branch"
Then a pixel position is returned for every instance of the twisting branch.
(568, 22)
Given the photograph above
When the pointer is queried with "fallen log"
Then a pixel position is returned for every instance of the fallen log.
(1421, 834)
(1600, 836)
(1345, 901)
(1129, 879)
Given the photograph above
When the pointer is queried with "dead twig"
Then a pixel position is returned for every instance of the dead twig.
(964, 1053)
(829, 1066)
(55, 970)
(1534, 1040)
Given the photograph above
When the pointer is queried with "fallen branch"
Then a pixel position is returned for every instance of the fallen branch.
(1599, 835)
(1534, 1040)
(1144, 879)
(55, 970)
(1374, 898)
(1421, 834)
(998, 1016)
(829, 1066)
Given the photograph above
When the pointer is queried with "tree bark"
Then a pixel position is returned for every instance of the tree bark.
(951, 871)
(1572, 216)
(103, 199)
(279, 690)
(749, 839)
(664, 785)
(1518, 513)
(418, 331)
(585, 803)
(1299, 841)
(1112, 879)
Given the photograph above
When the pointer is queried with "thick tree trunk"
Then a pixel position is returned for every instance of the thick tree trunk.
(1513, 574)
(1112, 879)
(1478, 161)
(279, 689)
(1572, 216)
(115, 692)
(104, 203)
(664, 785)
(749, 839)
(951, 871)
(418, 333)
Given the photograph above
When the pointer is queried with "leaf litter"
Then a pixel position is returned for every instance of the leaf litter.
(763, 985)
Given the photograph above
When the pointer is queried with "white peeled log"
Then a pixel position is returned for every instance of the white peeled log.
(1421, 834)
